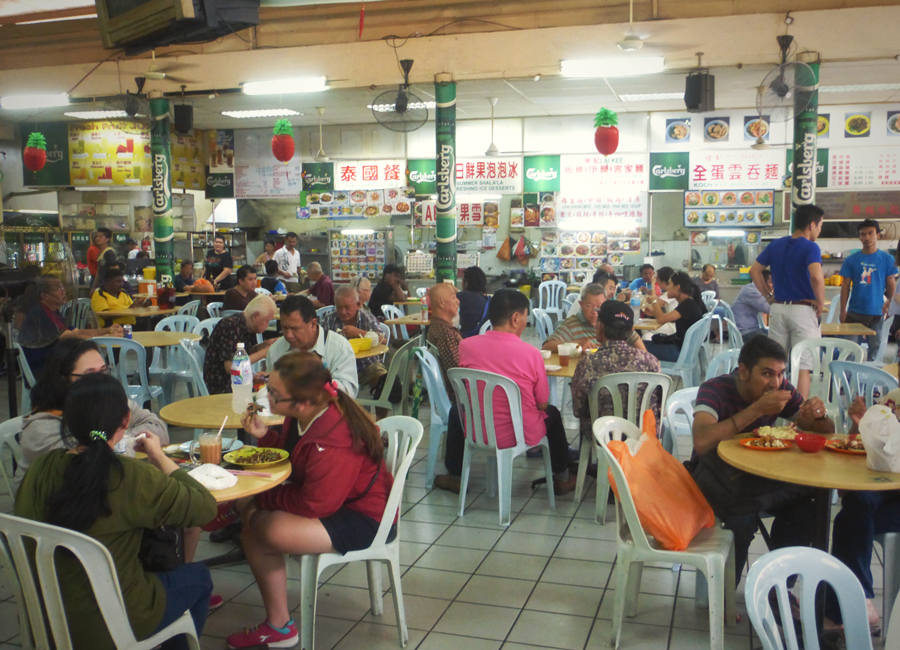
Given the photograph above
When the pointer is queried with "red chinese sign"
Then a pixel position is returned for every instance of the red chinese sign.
(728, 170)
(369, 174)
(583, 174)
(489, 175)
(470, 214)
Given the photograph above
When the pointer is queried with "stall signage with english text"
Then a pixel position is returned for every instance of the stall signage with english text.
(369, 174)
(669, 170)
(597, 211)
(477, 175)
(588, 173)
(728, 170)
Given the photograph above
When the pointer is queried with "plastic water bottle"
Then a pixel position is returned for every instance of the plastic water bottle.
(241, 380)
(636, 304)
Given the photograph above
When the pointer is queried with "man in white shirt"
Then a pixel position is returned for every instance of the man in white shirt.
(302, 333)
(288, 258)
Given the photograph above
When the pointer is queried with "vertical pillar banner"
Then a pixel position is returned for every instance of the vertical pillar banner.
(445, 167)
(803, 175)
(161, 189)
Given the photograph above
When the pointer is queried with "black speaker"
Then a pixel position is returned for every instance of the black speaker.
(184, 118)
(700, 92)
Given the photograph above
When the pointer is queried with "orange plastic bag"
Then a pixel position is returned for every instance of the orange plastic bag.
(669, 504)
(504, 252)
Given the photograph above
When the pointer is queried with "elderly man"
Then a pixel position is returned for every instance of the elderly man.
(302, 332)
(352, 322)
(363, 287)
(443, 333)
(239, 328)
(240, 295)
(582, 327)
(321, 292)
(748, 305)
(501, 350)
(707, 279)
(606, 280)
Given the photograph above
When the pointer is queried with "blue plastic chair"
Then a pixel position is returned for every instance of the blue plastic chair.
(690, 362)
(485, 327)
(190, 309)
(723, 363)
(550, 296)
(440, 409)
(543, 324)
(143, 391)
(852, 380)
(169, 365)
(321, 312)
(813, 566)
(391, 312)
(214, 309)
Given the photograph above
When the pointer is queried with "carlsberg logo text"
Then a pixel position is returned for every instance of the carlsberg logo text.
(218, 181)
(804, 180)
(668, 172)
(446, 177)
(421, 177)
(161, 189)
(541, 174)
(318, 180)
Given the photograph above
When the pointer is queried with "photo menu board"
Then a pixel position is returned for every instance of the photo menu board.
(109, 152)
(739, 208)
(357, 254)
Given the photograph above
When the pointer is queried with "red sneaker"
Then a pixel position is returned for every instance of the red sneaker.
(265, 634)
(215, 602)
(227, 515)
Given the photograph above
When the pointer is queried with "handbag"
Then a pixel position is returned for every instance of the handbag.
(162, 549)
(666, 339)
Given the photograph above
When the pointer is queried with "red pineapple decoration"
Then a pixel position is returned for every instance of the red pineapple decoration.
(606, 137)
(283, 141)
(35, 154)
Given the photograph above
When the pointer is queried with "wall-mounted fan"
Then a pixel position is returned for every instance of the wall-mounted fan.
(788, 88)
(400, 110)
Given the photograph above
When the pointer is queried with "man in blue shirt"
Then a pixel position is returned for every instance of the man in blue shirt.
(873, 275)
(798, 294)
(748, 305)
(645, 282)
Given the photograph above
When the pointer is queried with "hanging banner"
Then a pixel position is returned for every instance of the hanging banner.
(56, 169)
(317, 177)
(369, 174)
(161, 189)
(821, 167)
(736, 170)
(803, 177)
(489, 175)
(420, 175)
(587, 174)
(669, 170)
(445, 157)
(541, 174)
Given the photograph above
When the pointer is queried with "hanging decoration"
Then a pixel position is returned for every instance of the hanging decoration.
(362, 18)
(606, 137)
(35, 154)
(283, 141)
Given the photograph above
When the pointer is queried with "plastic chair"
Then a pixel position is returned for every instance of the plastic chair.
(813, 566)
(823, 353)
(225, 313)
(205, 327)
(679, 410)
(404, 435)
(193, 357)
(567, 305)
(707, 295)
(711, 551)
(543, 324)
(550, 298)
(482, 436)
(761, 322)
(890, 556)
(26, 545)
(28, 380)
(440, 409)
(884, 336)
(190, 309)
(142, 392)
(421, 292)
(651, 381)
(723, 363)
(735, 338)
(9, 445)
(214, 309)
(321, 312)
(687, 367)
(82, 314)
(401, 369)
(391, 312)
(168, 365)
(386, 330)
(263, 292)
(485, 327)
(852, 380)
(833, 310)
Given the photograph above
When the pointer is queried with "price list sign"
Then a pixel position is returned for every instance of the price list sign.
(863, 168)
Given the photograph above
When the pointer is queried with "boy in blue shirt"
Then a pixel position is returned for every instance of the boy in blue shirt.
(873, 275)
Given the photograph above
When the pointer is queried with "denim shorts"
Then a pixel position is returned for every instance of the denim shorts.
(351, 530)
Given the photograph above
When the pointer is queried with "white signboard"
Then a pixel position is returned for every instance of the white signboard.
(489, 175)
(746, 169)
(586, 175)
(369, 174)
(869, 168)
(266, 181)
(622, 210)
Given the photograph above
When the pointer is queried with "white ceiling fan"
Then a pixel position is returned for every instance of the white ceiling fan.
(493, 151)
(321, 156)
(632, 42)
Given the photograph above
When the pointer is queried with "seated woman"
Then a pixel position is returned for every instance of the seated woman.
(89, 489)
(335, 500)
(473, 302)
(690, 309)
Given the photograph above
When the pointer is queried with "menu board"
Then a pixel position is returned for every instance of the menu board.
(853, 206)
(585, 175)
(734, 170)
(356, 204)
(188, 170)
(573, 255)
(267, 181)
(744, 208)
(539, 211)
(863, 168)
(623, 210)
(353, 255)
(109, 152)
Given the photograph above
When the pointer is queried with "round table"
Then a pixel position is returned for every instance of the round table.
(374, 351)
(247, 486)
(162, 339)
(891, 369)
(207, 412)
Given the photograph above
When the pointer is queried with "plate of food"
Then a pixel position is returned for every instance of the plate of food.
(710, 198)
(549, 264)
(567, 237)
(599, 238)
(766, 444)
(822, 125)
(729, 198)
(858, 124)
(747, 198)
(845, 445)
(615, 260)
(781, 433)
(358, 196)
(765, 216)
(567, 250)
(597, 262)
(325, 198)
(678, 131)
(547, 198)
(752, 237)
(693, 217)
(692, 199)
(582, 250)
(584, 264)
(567, 264)
(717, 130)
(583, 237)
(516, 220)
(710, 217)
(598, 249)
(256, 457)
(548, 250)
(374, 197)
(551, 237)
(757, 128)
(764, 198)
(402, 207)
(893, 124)
(372, 211)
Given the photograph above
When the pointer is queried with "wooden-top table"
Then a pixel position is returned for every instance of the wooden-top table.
(206, 412)
(891, 369)
(565, 371)
(137, 312)
(414, 319)
(846, 329)
(247, 486)
(162, 339)
(646, 324)
(374, 351)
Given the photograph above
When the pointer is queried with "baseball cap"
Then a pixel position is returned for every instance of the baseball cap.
(616, 316)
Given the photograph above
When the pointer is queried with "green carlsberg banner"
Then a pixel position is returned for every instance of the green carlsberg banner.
(669, 170)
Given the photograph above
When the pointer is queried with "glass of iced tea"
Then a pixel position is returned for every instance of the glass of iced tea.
(210, 449)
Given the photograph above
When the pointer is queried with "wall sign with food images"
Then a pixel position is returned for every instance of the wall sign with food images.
(588, 174)
(857, 124)
(678, 130)
(756, 127)
(188, 168)
(567, 251)
(863, 168)
(109, 152)
(369, 175)
(736, 170)
(516, 214)
(699, 238)
(715, 129)
(540, 210)
(353, 255)
(744, 208)
(489, 175)
(612, 211)
(358, 204)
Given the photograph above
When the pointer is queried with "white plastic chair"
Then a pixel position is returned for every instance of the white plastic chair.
(550, 295)
(225, 313)
(884, 336)
(386, 330)
(214, 309)
(322, 312)
(206, 326)
(711, 551)
(193, 357)
(38, 596)
(707, 295)
(823, 351)
(723, 306)
(485, 327)
(421, 292)
(567, 305)
(723, 363)
(679, 410)
(611, 383)
(440, 409)
(143, 391)
(28, 380)
(852, 380)
(391, 312)
(761, 322)
(735, 338)
(263, 292)
(401, 368)
(474, 390)
(10, 448)
(890, 556)
(813, 566)
(833, 310)
(690, 362)
(190, 309)
(543, 324)
(168, 365)
(404, 435)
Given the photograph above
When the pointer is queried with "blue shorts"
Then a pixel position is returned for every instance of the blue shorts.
(351, 530)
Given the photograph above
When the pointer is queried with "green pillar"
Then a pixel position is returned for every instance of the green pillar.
(803, 176)
(161, 167)
(445, 164)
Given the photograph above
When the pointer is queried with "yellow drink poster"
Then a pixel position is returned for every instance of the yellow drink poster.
(188, 170)
(109, 152)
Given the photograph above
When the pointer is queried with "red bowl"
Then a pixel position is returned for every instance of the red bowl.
(810, 442)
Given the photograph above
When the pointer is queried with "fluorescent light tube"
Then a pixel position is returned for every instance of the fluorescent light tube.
(270, 112)
(726, 232)
(612, 67)
(285, 86)
(357, 231)
(13, 102)
(651, 97)
(858, 88)
(96, 115)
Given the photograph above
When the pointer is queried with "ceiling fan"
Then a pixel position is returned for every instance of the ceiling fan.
(493, 151)
(156, 73)
(632, 42)
(321, 156)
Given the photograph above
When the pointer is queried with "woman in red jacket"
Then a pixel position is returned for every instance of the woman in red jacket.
(334, 499)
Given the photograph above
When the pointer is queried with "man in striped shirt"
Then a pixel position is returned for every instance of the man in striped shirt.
(581, 328)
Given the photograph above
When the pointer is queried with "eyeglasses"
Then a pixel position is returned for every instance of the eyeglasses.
(274, 399)
(105, 370)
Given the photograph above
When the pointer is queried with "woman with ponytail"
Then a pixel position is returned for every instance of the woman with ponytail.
(87, 488)
(690, 309)
(336, 495)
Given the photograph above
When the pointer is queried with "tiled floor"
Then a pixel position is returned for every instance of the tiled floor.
(546, 581)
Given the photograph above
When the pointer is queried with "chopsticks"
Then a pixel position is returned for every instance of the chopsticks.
(243, 472)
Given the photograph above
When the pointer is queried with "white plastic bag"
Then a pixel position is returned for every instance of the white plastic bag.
(213, 477)
(880, 433)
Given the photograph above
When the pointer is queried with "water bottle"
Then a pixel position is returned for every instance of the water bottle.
(636, 304)
(241, 380)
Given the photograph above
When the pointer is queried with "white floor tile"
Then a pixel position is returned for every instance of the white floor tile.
(529, 543)
(565, 599)
(466, 537)
(551, 630)
(376, 637)
(502, 592)
(421, 613)
(512, 565)
(433, 583)
(480, 621)
(439, 641)
(451, 558)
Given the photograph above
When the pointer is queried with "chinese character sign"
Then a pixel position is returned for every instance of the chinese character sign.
(470, 214)
(584, 175)
(727, 170)
(602, 211)
(476, 175)
(369, 174)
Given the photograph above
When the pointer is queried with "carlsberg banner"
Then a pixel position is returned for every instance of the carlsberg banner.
(422, 176)
(161, 189)
(541, 174)
(669, 170)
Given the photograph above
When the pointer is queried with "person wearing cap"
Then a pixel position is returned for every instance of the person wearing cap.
(388, 290)
(615, 325)
(873, 276)
(581, 328)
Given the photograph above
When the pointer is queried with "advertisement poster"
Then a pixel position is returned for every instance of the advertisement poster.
(426, 214)
(756, 127)
(489, 175)
(369, 174)
(338, 204)
(747, 169)
(221, 151)
(893, 124)
(821, 167)
(188, 169)
(220, 186)
(541, 174)
(857, 125)
(317, 177)
(715, 129)
(589, 174)
(421, 176)
(109, 152)
(678, 130)
(516, 214)
(742, 208)
(669, 170)
(56, 169)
